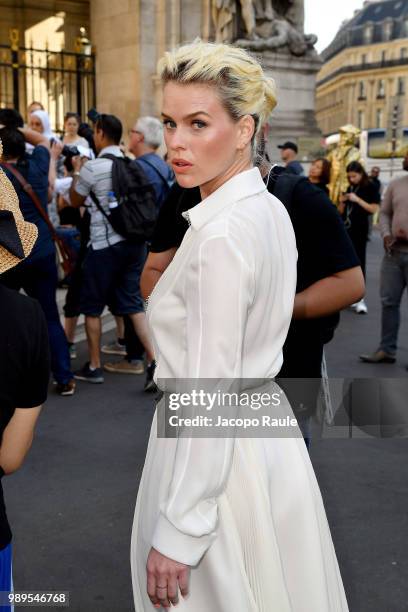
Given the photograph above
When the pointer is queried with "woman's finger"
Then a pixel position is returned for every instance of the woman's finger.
(151, 588)
(172, 589)
(162, 596)
(183, 578)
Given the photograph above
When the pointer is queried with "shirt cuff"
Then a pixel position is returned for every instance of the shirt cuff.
(172, 543)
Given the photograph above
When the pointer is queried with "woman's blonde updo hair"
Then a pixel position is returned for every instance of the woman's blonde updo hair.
(238, 77)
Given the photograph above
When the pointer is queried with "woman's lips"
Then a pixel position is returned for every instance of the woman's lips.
(181, 165)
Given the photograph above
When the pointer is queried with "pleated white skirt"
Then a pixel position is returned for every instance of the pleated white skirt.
(273, 551)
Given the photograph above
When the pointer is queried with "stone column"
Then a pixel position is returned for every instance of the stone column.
(161, 28)
(175, 23)
(206, 20)
(294, 117)
(115, 33)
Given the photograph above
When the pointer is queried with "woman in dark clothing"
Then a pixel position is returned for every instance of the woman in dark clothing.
(319, 173)
(361, 200)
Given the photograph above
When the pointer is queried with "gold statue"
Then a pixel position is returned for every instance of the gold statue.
(340, 157)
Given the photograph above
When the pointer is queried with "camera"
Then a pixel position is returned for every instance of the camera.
(68, 151)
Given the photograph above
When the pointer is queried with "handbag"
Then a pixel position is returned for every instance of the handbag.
(65, 258)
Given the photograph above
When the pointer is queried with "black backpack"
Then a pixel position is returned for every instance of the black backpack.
(135, 216)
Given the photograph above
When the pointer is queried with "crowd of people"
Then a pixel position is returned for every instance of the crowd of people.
(71, 178)
(117, 222)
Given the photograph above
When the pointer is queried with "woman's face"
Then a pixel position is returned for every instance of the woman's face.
(71, 126)
(36, 124)
(202, 139)
(354, 178)
(316, 169)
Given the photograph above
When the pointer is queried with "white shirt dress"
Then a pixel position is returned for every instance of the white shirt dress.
(246, 513)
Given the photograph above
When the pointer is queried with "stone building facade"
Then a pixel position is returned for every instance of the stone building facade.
(129, 36)
(55, 22)
(365, 71)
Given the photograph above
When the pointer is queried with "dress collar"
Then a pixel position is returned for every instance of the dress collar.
(238, 187)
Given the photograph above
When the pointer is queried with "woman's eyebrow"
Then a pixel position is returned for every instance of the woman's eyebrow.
(189, 116)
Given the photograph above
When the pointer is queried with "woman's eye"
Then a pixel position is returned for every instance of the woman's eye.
(199, 124)
(169, 124)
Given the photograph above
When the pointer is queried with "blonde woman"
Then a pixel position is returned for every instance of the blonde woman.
(227, 524)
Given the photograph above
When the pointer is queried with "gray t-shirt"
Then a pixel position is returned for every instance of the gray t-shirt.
(96, 176)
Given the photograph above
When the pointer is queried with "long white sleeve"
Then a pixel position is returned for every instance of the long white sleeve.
(218, 292)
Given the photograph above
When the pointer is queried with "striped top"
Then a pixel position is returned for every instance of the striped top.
(96, 176)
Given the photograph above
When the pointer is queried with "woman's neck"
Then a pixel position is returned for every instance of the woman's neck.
(70, 137)
(314, 180)
(240, 166)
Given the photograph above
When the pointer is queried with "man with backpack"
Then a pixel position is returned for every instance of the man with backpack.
(144, 140)
(123, 214)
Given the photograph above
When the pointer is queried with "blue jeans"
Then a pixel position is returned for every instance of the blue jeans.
(39, 280)
(393, 281)
(6, 582)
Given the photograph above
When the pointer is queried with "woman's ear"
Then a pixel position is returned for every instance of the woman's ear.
(246, 130)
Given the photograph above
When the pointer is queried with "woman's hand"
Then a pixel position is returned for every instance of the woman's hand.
(352, 197)
(164, 579)
(341, 208)
(56, 149)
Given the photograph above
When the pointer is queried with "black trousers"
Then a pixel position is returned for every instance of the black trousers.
(134, 348)
(300, 375)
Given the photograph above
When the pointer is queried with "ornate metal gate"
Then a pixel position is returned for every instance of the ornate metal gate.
(62, 81)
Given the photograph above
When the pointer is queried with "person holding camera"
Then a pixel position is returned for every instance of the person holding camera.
(145, 138)
(360, 201)
(74, 229)
(37, 275)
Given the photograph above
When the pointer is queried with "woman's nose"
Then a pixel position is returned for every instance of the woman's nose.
(177, 139)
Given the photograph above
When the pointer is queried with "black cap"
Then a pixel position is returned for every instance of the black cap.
(289, 145)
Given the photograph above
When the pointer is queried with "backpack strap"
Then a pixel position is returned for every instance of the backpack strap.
(98, 204)
(144, 161)
(34, 197)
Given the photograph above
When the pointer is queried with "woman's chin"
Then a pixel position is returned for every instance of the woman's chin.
(187, 182)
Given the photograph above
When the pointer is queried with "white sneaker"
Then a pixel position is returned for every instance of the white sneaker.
(361, 307)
